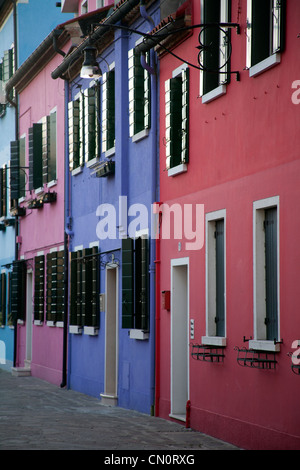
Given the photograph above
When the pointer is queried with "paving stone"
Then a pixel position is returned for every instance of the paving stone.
(36, 415)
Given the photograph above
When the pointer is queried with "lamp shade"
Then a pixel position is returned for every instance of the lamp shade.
(90, 67)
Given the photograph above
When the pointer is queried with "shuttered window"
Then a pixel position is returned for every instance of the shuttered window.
(3, 298)
(85, 286)
(3, 191)
(215, 275)
(2, 105)
(135, 283)
(74, 141)
(177, 119)
(266, 268)
(39, 287)
(91, 122)
(55, 286)
(17, 169)
(215, 41)
(35, 156)
(108, 111)
(18, 291)
(265, 29)
(49, 148)
(7, 69)
(270, 228)
(139, 94)
(220, 282)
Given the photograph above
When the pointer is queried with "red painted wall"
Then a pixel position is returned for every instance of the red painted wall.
(244, 146)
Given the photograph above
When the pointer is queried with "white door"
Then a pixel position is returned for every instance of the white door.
(111, 337)
(179, 337)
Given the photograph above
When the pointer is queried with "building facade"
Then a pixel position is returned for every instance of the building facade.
(228, 340)
(112, 151)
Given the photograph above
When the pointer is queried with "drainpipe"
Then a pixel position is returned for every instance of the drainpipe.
(67, 234)
(151, 70)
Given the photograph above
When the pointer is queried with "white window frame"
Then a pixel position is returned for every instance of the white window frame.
(181, 167)
(259, 300)
(221, 89)
(210, 281)
(274, 57)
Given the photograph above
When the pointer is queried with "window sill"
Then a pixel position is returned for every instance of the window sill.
(51, 323)
(77, 171)
(38, 322)
(90, 330)
(264, 345)
(52, 183)
(75, 329)
(177, 170)
(214, 340)
(264, 65)
(39, 191)
(110, 152)
(212, 95)
(140, 135)
(138, 334)
(93, 162)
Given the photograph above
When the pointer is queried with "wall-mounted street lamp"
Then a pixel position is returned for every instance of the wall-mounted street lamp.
(90, 67)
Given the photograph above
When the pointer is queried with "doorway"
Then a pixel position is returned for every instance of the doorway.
(110, 395)
(179, 337)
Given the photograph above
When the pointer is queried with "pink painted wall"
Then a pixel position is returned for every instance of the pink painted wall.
(43, 229)
(243, 147)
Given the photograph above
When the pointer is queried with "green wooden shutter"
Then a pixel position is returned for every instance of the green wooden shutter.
(79, 289)
(90, 123)
(86, 287)
(9, 291)
(73, 289)
(39, 279)
(108, 110)
(95, 287)
(55, 286)
(127, 283)
(81, 129)
(2, 105)
(76, 289)
(278, 15)
(35, 156)
(185, 117)
(3, 299)
(270, 226)
(51, 307)
(2, 192)
(14, 170)
(141, 283)
(173, 103)
(74, 144)
(45, 150)
(147, 96)
(211, 37)
(260, 34)
(220, 280)
(52, 148)
(8, 64)
(4, 185)
(18, 291)
(60, 291)
(22, 165)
